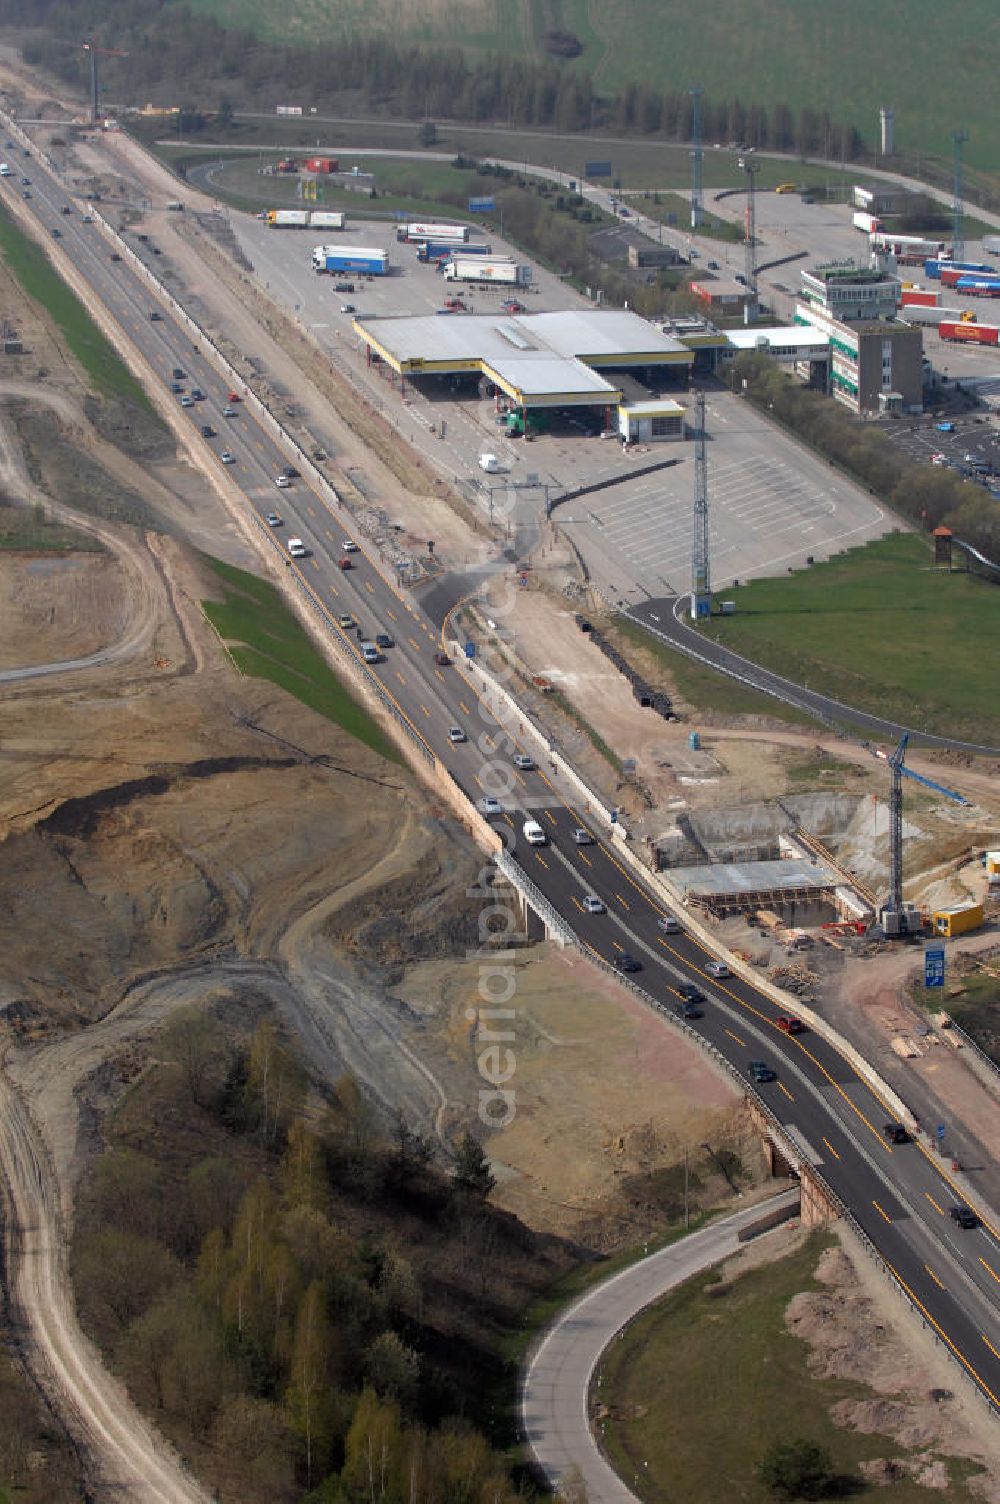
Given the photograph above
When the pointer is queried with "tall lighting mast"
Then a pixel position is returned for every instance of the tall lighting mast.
(701, 584)
(697, 154)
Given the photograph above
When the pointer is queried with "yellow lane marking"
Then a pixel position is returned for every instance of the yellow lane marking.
(426, 711)
(784, 1088)
(400, 677)
(623, 901)
(549, 816)
(990, 1270)
(882, 1212)
(739, 1041)
(585, 859)
(542, 860)
(464, 708)
(933, 1203)
(934, 1277)
(831, 1148)
(995, 1353)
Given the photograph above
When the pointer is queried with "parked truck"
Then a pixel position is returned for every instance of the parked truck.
(453, 234)
(478, 269)
(868, 223)
(438, 250)
(350, 258)
(969, 333)
(919, 297)
(322, 164)
(305, 219)
(979, 287)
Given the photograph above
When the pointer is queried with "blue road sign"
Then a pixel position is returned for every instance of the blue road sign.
(482, 205)
(940, 1131)
(934, 966)
(470, 650)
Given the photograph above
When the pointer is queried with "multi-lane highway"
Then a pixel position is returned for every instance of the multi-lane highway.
(900, 1194)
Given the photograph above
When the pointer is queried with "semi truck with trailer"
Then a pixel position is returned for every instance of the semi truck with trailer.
(979, 287)
(966, 332)
(305, 219)
(438, 250)
(478, 269)
(350, 258)
(452, 234)
(915, 297)
(908, 249)
(867, 223)
(937, 266)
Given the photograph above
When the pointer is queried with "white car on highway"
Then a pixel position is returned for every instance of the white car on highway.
(297, 548)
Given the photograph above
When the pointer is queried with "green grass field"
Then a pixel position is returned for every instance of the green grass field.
(934, 64)
(26, 530)
(879, 629)
(39, 279)
(265, 641)
(703, 689)
(703, 1382)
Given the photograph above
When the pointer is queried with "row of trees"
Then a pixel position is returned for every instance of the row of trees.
(170, 50)
(925, 494)
(308, 1307)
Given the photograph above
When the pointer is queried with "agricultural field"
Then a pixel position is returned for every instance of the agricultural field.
(831, 59)
(879, 628)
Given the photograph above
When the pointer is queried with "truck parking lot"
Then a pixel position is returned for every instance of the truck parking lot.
(775, 505)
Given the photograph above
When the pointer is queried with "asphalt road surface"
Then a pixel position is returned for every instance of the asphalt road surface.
(666, 617)
(554, 1394)
(899, 1194)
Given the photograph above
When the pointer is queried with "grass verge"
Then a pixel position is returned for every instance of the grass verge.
(701, 1384)
(976, 1008)
(40, 280)
(26, 529)
(594, 737)
(704, 689)
(879, 629)
(265, 641)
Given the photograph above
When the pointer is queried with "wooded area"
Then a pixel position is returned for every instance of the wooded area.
(303, 1304)
(165, 43)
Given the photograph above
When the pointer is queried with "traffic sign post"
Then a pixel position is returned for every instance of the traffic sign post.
(934, 966)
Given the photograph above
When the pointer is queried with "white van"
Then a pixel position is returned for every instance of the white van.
(5, 170)
(533, 833)
(489, 463)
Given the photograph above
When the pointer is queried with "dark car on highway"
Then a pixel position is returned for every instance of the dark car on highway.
(964, 1216)
(896, 1133)
(625, 962)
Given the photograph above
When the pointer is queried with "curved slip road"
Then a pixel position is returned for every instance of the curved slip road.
(556, 1386)
(664, 618)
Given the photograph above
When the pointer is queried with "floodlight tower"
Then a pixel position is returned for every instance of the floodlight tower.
(751, 167)
(696, 156)
(701, 587)
(959, 139)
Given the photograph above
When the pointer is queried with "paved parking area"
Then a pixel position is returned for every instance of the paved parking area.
(772, 504)
(974, 439)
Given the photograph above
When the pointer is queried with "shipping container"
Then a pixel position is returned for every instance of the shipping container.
(453, 234)
(325, 219)
(952, 922)
(322, 164)
(914, 297)
(350, 258)
(970, 334)
(868, 223)
(288, 219)
(478, 269)
(909, 249)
